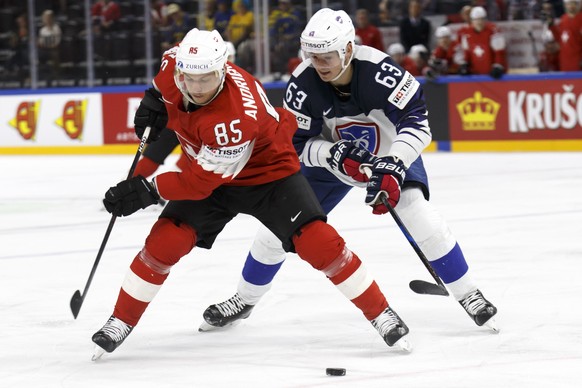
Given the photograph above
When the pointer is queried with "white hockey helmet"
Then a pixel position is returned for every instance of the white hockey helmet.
(478, 13)
(231, 51)
(395, 49)
(328, 31)
(442, 32)
(201, 52)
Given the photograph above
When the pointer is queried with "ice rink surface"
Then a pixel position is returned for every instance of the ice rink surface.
(517, 216)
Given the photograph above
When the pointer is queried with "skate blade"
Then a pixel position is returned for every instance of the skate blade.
(492, 325)
(206, 327)
(97, 353)
(403, 344)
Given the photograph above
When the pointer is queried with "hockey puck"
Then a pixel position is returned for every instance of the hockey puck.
(335, 371)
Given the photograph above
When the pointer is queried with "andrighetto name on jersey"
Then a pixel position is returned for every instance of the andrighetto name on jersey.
(247, 96)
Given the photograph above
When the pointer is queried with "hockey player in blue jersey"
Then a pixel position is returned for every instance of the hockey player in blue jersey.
(356, 109)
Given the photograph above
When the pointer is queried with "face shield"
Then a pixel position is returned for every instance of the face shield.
(328, 60)
(197, 84)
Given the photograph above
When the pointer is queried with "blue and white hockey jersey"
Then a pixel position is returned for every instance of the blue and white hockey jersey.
(384, 113)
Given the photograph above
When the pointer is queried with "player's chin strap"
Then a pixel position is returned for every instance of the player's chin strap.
(187, 96)
(344, 66)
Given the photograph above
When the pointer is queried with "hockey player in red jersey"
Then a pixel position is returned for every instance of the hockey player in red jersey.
(241, 160)
(484, 47)
(447, 55)
(569, 34)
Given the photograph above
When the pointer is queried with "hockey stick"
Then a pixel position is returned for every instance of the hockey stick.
(78, 298)
(418, 286)
(534, 49)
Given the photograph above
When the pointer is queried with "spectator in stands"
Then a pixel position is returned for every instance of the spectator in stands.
(465, 14)
(210, 8)
(523, 9)
(447, 55)
(483, 47)
(222, 17)
(178, 25)
(105, 13)
(49, 43)
(550, 56)
(284, 30)
(368, 33)
(496, 9)
(557, 7)
(159, 11)
(391, 12)
(19, 44)
(414, 29)
(569, 33)
(240, 32)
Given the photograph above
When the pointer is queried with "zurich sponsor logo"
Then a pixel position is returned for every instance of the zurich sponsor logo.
(364, 135)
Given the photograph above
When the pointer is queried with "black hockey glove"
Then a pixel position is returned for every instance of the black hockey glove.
(129, 196)
(349, 159)
(388, 173)
(497, 71)
(464, 69)
(151, 112)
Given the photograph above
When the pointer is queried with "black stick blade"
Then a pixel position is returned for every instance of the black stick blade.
(426, 288)
(76, 302)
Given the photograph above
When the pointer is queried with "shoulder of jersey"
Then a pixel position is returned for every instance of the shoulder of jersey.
(369, 54)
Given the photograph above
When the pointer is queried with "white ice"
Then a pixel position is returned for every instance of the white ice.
(517, 216)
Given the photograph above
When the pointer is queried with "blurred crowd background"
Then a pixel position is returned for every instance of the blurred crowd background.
(64, 43)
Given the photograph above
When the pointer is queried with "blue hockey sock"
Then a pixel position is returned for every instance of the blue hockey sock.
(258, 273)
(451, 266)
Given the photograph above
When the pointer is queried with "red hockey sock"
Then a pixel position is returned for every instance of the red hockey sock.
(165, 245)
(140, 286)
(319, 244)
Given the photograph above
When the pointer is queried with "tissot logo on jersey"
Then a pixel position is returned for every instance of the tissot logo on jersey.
(404, 91)
(224, 152)
(303, 121)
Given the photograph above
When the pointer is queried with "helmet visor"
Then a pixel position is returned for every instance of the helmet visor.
(324, 60)
(197, 84)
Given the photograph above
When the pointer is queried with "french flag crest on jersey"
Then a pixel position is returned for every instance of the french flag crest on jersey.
(363, 135)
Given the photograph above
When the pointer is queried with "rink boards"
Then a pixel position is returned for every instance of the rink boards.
(538, 112)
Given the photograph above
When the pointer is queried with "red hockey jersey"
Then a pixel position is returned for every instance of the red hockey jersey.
(569, 34)
(239, 123)
(478, 51)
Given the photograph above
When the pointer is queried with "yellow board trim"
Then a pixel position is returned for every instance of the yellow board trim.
(456, 146)
(517, 146)
(76, 150)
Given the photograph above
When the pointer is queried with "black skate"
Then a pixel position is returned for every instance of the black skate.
(225, 314)
(480, 309)
(111, 335)
(392, 329)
